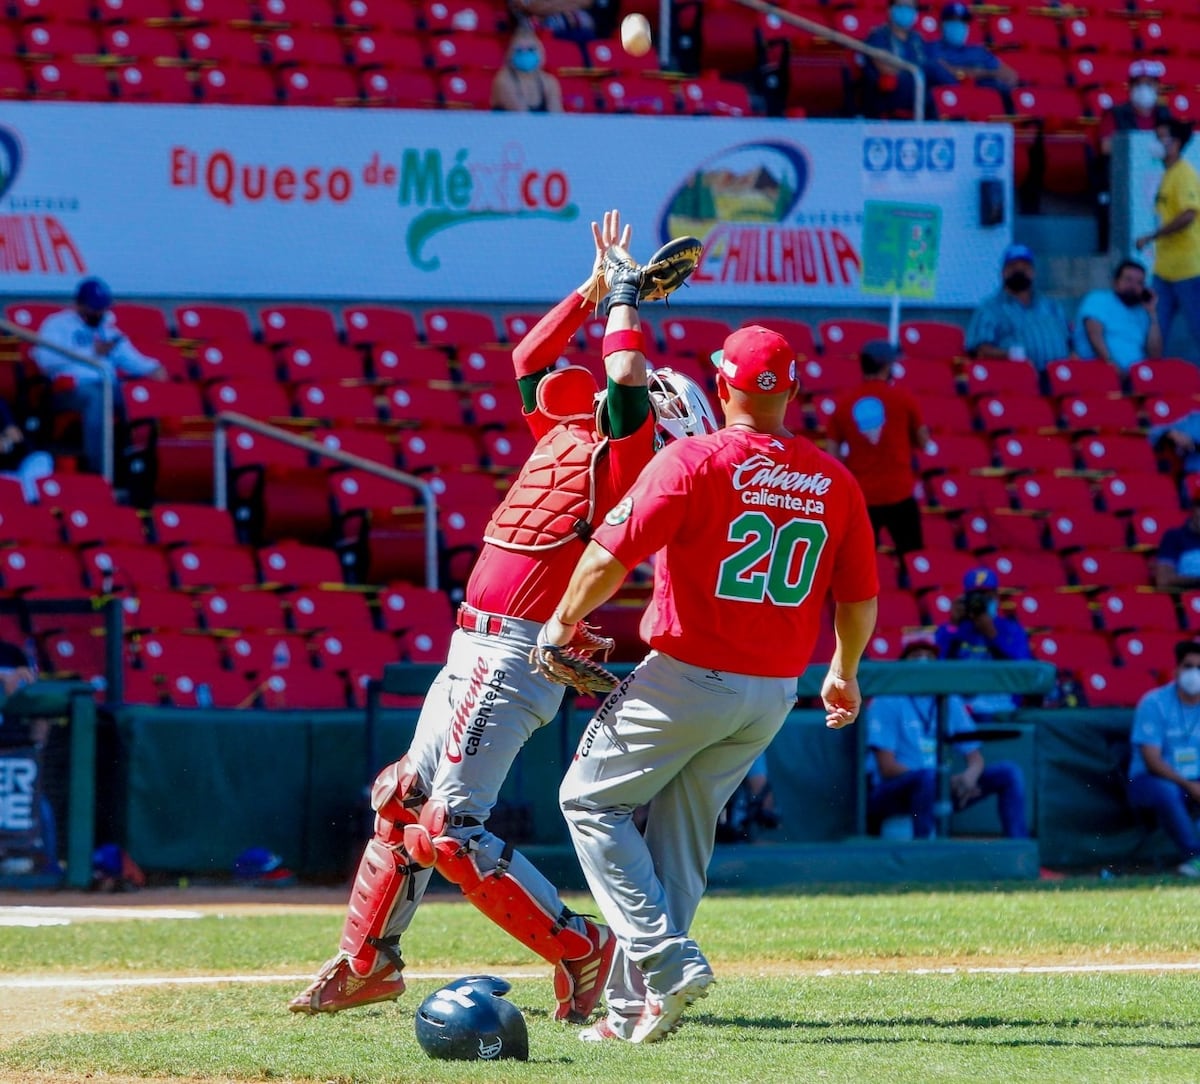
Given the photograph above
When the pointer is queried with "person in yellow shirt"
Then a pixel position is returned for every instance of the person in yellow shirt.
(1177, 239)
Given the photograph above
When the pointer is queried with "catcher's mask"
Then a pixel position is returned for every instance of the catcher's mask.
(469, 1020)
(680, 405)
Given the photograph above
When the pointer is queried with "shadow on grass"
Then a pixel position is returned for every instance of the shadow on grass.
(1082, 883)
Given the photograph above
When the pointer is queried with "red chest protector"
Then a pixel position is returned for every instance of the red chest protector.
(553, 499)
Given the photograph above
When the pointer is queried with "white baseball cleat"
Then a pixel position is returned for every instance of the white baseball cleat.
(599, 1032)
(661, 1014)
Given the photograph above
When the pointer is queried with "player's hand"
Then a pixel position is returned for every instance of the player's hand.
(1142, 241)
(606, 234)
(842, 700)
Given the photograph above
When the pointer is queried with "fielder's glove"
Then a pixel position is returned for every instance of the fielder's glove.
(572, 664)
(669, 268)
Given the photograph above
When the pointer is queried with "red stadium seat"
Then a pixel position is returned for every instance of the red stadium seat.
(1129, 491)
(579, 94)
(1023, 31)
(40, 567)
(926, 377)
(1069, 376)
(1073, 650)
(144, 82)
(27, 523)
(197, 687)
(78, 653)
(334, 402)
(306, 47)
(60, 41)
(132, 12)
(466, 52)
(265, 653)
(59, 491)
(326, 608)
(1001, 378)
(91, 524)
(320, 360)
(124, 566)
(315, 86)
(1001, 529)
(14, 81)
(486, 365)
(694, 336)
(966, 101)
(426, 645)
(897, 609)
(405, 52)
(74, 82)
(213, 322)
(1053, 608)
(297, 13)
(1073, 529)
(400, 88)
(1123, 609)
(369, 324)
(1151, 648)
(295, 564)
(1103, 412)
(1107, 568)
(300, 689)
(1116, 686)
(954, 453)
(1044, 492)
(958, 492)
(421, 406)
(343, 650)
(931, 339)
(1113, 453)
(411, 362)
(1025, 568)
(290, 323)
(264, 400)
(1017, 452)
(1189, 607)
(1098, 69)
(849, 336)
(1166, 376)
(497, 406)
(638, 94)
(377, 14)
(171, 653)
(404, 606)
(142, 323)
(214, 45)
(206, 565)
(937, 568)
(1146, 528)
(710, 97)
(506, 449)
(364, 443)
(234, 359)
(226, 83)
(946, 414)
(458, 327)
(1007, 413)
(940, 532)
(829, 374)
(465, 88)
(437, 448)
(242, 610)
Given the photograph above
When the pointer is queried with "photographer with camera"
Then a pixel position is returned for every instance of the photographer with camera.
(978, 632)
(1120, 325)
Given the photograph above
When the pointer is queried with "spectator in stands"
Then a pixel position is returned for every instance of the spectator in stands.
(1120, 325)
(978, 632)
(1018, 321)
(1177, 238)
(523, 85)
(750, 807)
(876, 429)
(16, 460)
(902, 743)
(90, 329)
(1182, 436)
(572, 20)
(1164, 768)
(1177, 562)
(889, 91)
(1142, 112)
(952, 60)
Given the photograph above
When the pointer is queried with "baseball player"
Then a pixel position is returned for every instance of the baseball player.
(432, 805)
(752, 526)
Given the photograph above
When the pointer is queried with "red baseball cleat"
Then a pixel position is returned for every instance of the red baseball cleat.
(579, 983)
(337, 987)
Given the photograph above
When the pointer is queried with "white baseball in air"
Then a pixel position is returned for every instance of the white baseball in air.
(635, 34)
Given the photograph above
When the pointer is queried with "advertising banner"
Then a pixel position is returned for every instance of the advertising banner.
(399, 205)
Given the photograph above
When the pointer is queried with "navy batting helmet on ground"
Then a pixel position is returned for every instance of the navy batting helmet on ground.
(469, 1020)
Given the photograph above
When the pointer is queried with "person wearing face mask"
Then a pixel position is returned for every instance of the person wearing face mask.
(523, 85)
(1120, 325)
(1019, 322)
(1164, 769)
(902, 754)
(1141, 112)
(888, 91)
(1177, 239)
(953, 60)
(90, 329)
(977, 632)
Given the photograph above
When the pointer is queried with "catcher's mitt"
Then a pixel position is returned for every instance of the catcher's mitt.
(572, 664)
(669, 268)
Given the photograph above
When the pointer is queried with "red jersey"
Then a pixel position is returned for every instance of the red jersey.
(878, 423)
(529, 585)
(755, 530)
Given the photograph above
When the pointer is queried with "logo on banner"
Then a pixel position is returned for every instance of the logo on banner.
(742, 204)
(459, 193)
(19, 794)
(908, 154)
(989, 150)
(32, 239)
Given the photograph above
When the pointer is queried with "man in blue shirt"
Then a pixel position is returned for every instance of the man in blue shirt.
(1120, 325)
(1017, 322)
(890, 91)
(952, 60)
(902, 760)
(978, 632)
(1164, 769)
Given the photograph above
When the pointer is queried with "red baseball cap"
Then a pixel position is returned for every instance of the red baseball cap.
(757, 360)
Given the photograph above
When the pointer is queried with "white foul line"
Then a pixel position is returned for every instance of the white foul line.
(89, 983)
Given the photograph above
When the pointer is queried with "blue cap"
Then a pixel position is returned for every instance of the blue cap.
(956, 11)
(981, 579)
(1017, 252)
(94, 294)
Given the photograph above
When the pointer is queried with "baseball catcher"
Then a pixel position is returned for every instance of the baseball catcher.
(432, 805)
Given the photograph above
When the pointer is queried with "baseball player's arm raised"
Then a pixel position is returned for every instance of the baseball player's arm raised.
(853, 623)
(594, 581)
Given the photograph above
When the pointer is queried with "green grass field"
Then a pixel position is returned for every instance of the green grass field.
(832, 986)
